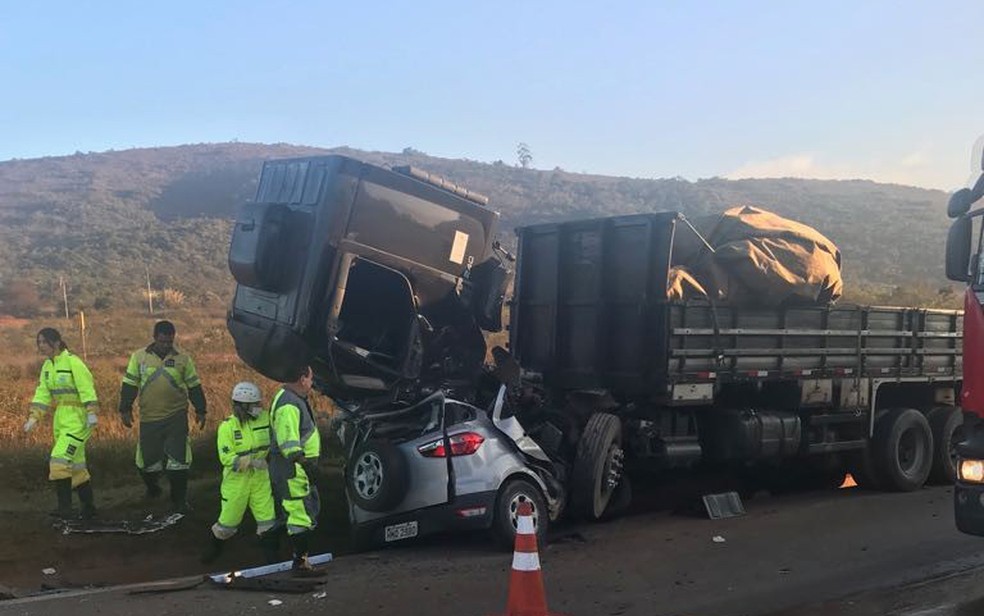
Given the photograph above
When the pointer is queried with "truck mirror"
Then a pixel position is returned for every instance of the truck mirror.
(959, 203)
(958, 250)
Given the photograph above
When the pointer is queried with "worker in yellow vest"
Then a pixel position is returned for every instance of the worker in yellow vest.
(165, 380)
(66, 386)
(243, 441)
(295, 446)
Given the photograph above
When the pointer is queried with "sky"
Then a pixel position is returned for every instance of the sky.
(877, 90)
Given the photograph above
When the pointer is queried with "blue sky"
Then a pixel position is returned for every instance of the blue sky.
(883, 90)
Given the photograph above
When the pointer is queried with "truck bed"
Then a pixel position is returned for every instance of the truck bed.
(590, 311)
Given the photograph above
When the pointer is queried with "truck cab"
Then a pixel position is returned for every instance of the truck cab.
(965, 263)
(377, 278)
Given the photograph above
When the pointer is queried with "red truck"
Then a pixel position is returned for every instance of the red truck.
(964, 264)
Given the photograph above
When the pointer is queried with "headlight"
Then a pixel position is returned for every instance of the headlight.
(971, 471)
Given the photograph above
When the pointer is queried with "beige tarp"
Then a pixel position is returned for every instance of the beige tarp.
(758, 258)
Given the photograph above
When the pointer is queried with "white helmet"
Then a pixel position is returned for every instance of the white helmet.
(246, 392)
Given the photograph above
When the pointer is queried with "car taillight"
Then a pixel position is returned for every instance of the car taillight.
(464, 444)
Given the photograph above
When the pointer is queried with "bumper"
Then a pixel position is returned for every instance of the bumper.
(468, 512)
(968, 508)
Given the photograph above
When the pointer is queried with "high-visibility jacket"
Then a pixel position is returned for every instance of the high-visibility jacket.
(249, 488)
(65, 384)
(293, 427)
(163, 382)
(237, 440)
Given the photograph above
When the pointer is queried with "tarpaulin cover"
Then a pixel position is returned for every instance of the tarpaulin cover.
(759, 258)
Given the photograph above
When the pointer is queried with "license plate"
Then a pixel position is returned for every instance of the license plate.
(396, 532)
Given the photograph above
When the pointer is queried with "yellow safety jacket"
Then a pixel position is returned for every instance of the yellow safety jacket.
(66, 385)
(237, 440)
(293, 426)
(163, 383)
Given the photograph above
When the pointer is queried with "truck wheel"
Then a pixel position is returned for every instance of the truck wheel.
(903, 449)
(946, 424)
(620, 501)
(376, 476)
(597, 466)
(506, 515)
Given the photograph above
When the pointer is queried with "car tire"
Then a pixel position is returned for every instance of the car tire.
(505, 516)
(903, 449)
(946, 425)
(597, 466)
(376, 476)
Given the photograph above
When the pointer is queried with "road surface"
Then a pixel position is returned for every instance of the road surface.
(845, 552)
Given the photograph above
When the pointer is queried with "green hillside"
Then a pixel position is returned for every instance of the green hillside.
(104, 220)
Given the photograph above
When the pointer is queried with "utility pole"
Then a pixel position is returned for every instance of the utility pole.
(64, 290)
(85, 355)
(150, 295)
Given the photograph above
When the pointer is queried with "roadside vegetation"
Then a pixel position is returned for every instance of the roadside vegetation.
(110, 338)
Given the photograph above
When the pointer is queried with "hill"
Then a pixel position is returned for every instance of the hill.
(107, 220)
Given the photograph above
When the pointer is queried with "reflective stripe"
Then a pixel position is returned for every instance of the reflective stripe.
(135, 380)
(193, 382)
(64, 461)
(38, 405)
(525, 525)
(170, 379)
(79, 467)
(264, 525)
(526, 561)
(90, 404)
(294, 530)
(173, 465)
(290, 445)
(71, 391)
(223, 532)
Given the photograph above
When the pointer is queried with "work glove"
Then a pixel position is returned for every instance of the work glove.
(241, 464)
(258, 464)
(310, 466)
(127, 418)
(29, 424)
(200, 420)
(91, 420)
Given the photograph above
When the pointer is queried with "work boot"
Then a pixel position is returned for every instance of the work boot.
(86, 499)
(301, 567)
(63, 491)
(150, 480)
(270, 545)
(179, 491)
(213, 550)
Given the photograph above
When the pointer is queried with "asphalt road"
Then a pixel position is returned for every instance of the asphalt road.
(846, 552)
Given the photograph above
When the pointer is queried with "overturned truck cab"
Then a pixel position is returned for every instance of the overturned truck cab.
(379, 279)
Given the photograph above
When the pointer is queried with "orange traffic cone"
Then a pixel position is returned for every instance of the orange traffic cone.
(526, 594)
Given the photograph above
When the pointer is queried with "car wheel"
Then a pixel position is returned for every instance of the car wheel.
(506, 516)
(903, 449)
(597, 466)
(376, 477)
(946, 424)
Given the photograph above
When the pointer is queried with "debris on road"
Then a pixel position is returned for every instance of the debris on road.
(320, 595)
(227, 576)
(149, 524)
(724, 505)
(49, 571)
(275, 602)
(718, 539)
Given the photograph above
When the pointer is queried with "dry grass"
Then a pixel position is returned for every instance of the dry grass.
(110, 338)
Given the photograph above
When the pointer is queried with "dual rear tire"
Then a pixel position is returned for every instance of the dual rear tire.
(909, 449)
